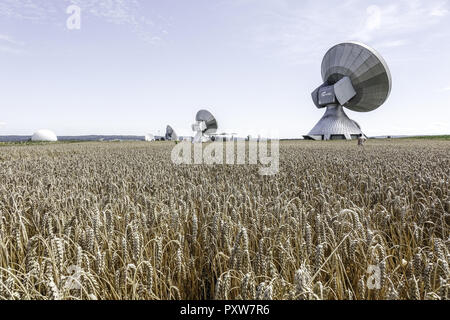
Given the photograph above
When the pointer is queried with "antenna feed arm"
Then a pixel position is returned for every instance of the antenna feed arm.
(344, 90)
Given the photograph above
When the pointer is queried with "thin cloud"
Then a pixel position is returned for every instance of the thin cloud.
(10, 40)
(10, 46)
(374, 18)
(440, 10)
(403, 17)
(393, 44)
(120, 12)
(11, 50)
(302, 30)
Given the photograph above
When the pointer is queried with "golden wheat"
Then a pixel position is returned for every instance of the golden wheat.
(120, 221)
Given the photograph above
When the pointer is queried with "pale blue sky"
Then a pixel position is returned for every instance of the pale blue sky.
(136, 66)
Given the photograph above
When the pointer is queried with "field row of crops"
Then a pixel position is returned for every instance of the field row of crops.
(120, 221)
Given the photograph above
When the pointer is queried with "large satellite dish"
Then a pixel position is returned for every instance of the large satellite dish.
(355, 77)
(170, 134)
(205, 125)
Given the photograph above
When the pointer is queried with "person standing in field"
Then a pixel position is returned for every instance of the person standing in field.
(361, 140)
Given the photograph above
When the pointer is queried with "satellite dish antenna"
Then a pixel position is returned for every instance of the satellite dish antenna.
(149, 137)
(170, 134)
(205, 125)
(355, 77)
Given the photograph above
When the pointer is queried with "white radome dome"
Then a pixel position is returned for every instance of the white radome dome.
(44, 136)
(149, 137)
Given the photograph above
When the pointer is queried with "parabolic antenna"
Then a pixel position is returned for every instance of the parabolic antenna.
(355, 77)
(205, 125)
(209, 120)
(170, 134)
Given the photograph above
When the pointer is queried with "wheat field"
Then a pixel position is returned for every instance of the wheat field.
(120, 221)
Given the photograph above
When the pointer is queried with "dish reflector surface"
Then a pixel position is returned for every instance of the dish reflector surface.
(207, 117)
(170, 134)
(366, 69)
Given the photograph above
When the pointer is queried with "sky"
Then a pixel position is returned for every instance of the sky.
(135, 66)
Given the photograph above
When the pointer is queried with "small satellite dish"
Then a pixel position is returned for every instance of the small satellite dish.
(205, 125)
(170, 134)
(355, 77)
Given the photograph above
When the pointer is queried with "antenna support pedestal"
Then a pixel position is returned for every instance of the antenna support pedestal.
(335, 125)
